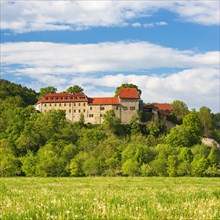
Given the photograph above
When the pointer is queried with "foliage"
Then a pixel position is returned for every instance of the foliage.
(75, 89)
(206, 120)
(47, 90)
(187, 134)
(36, 144)
(180, 110)
(9, 89)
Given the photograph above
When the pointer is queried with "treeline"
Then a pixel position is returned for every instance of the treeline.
(36, 144)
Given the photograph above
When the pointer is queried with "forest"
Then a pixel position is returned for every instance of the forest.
(35, 144)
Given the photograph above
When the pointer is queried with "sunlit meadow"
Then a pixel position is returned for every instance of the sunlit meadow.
(110, 198)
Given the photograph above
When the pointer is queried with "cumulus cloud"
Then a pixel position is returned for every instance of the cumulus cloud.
(196, 87)
(27, 16)
(57, 63)
(34, 58)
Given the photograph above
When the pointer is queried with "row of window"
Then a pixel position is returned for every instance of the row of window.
(65, 98)
(132, 108)
(64, 104)
(91, 115)
(129, 100)
(70, 111)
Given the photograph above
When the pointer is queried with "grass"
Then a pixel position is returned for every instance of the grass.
(110, 198)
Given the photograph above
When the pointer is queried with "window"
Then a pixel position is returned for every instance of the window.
(74, 110)
(74, 104)
(84, 110)
(90, 115)
(45, 104)
(69, 104)
(55, 104)
(69, 110)
(125, 108)
(79, 104)
(100, 115)
(50, 104)
(90, 108)
(60, 104)
(102, 108)
(64, 104)
(45, 111)
(116, 107)
(84, 104)
(79, 110)
(132, 108)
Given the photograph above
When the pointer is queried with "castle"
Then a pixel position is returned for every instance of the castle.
(74, 104)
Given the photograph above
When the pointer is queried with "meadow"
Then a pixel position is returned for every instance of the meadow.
(110, 198)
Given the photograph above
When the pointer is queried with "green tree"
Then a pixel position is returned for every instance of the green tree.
(111, 121)
(180, 110)
(153, 128)
(187, 134)
(206, 120)
(75, 89)
(29, 162)
(214, 157)
(82, 119)
(47, 90)
(184, 168)
(185, 155)
(130, 168)
(134, 126)
(91, 167)
(126, 85)
(12, 90)
(159, 167)
(76, 164)
(112, 167)
(199, 166)
(172, 164)
(49, 162)
(9, 164)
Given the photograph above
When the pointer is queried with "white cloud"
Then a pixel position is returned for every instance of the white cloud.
(161, 23)
(201, 12)
(37, 58)
(55, 64)
(196, 87)
(27, 16)
(136, 24)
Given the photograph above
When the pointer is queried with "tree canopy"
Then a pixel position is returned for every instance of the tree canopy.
(47, 90)
(37, 144)
(75, 89)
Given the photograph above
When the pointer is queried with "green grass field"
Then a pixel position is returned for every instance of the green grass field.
(110, 198)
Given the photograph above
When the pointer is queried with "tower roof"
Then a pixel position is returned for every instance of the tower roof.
(129, 93)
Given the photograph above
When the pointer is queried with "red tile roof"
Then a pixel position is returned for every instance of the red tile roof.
(164, 107)
(129, 93)
(63, 97)
(104, 101)
(148, 106)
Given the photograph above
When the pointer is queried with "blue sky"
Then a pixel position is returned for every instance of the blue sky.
(170, 49)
